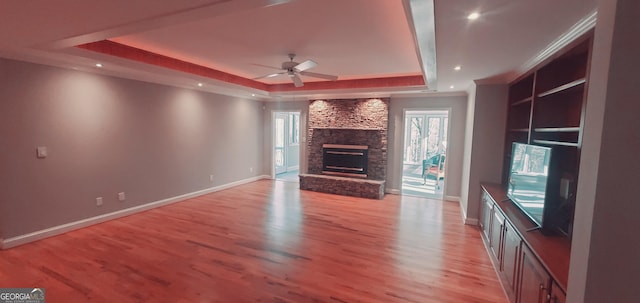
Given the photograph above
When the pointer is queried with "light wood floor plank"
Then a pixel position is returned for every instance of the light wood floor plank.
(265, 242)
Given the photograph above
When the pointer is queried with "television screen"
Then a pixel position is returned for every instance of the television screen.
(528, 179)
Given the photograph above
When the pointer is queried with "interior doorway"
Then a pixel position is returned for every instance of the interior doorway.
(286, 146)
(425, 153)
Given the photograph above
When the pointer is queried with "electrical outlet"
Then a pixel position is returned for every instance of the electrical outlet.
(121, 196)
(250, 169)
(41, 152)
(211, 178)
(99, 201)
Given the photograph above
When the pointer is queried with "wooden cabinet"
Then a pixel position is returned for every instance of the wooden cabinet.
(510, 264)
(485, 215)
(557, 295)
(535, 281)
(524, 277)
(496, 234)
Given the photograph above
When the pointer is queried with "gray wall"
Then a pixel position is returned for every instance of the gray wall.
(468, 139)
(604, 255)
(107, 135)
(486, 145)
(458, 114)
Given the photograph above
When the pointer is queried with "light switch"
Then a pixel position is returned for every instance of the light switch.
(42, 152)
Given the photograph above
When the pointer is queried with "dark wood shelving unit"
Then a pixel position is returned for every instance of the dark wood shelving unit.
(546, 107)
(555, 142)
(563, 87)
(523, 101)
(557, 129)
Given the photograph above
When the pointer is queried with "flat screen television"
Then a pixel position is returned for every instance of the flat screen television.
(529, 178)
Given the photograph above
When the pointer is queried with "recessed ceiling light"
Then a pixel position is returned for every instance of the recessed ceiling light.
(473, 16)
(98, 64)
(253, 95)
(451, 86)
(200, 84)
(457, 67)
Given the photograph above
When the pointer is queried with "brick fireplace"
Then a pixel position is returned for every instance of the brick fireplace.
(355, 122)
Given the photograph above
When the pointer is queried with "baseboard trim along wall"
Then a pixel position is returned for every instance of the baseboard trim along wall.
(60, 229)
(465, 219)
(392, 191)
(471, 221)
(452, 198)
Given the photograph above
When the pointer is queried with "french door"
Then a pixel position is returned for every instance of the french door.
(425, 136)
(280, 144)
(425, 147)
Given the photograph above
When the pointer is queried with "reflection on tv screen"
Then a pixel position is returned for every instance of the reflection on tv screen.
(528, 178)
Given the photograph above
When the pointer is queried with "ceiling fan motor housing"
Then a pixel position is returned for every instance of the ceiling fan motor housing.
(289, 65)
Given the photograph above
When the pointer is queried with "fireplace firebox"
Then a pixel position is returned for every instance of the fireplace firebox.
(345, 160)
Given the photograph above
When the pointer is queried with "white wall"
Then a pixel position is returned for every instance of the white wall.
(604, 257)
(107, 135)
(458, 113)
(486, 144)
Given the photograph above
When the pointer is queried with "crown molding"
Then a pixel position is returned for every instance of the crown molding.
(576, 31)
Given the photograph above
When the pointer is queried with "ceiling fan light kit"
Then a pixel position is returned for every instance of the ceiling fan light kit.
(294, 70)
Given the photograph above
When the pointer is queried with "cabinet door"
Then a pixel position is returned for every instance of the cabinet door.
(534, 281)
(510, 258)
(557, 295)
(485, 215)
(497, 229)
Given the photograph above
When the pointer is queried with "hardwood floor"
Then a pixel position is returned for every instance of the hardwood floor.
(265, 242)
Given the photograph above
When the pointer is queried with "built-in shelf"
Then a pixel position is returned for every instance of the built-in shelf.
(519, 130)
(523, 101)
(563, 87)
(557, 129)
(560, 143)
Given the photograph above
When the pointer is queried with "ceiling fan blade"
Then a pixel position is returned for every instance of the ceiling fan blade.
(305, 65)
(297, 82)
(321, 76)
(267, 66)
(270, 75)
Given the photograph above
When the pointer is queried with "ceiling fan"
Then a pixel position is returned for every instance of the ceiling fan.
(295, 69)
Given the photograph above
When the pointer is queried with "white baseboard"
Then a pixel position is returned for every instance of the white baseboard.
(60, 229)
(392, 191)
(471, 221)
(452, 198)
(465, 219)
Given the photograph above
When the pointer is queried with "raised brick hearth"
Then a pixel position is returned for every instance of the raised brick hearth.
(348, 122)
(372, 189)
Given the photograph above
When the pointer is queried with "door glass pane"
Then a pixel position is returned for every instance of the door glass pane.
(279, 148)
(279, 157)
(279, 132)
(294, 128)
(414, 140)
(433, 137)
